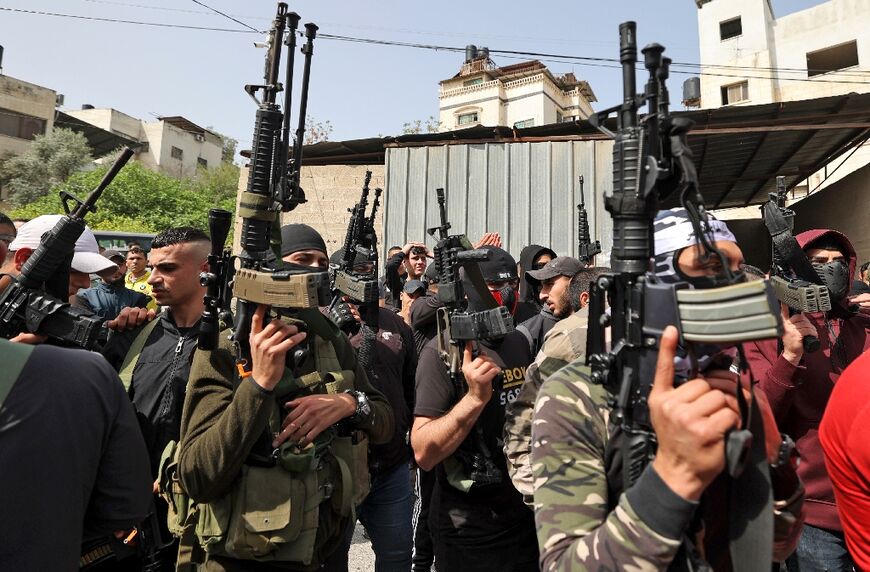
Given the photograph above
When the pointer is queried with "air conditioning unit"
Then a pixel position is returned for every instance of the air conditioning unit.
(199, 137)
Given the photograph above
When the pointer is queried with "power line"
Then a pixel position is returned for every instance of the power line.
(559, 58)
(216, 11)
(118, 21)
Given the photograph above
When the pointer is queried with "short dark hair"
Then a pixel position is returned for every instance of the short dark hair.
(580, 283)
(864, 267)
(179, 235)
(395, 247)
(6, 220)
(418, 250)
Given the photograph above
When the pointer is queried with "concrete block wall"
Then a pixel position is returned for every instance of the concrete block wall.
(331, 190)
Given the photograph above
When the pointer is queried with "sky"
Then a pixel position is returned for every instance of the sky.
(364, 90)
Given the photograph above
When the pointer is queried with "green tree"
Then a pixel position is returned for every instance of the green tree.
(49, 160)
(222, 180)
(139, 200)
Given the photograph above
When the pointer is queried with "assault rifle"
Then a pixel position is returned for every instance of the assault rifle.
(799, 295)
(37, 299)
(273, 187)
(652, 160)
(217, 314)
(587, 248)
(459, 322)
(361, 288)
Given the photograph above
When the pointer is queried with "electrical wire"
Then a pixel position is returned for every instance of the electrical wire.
(236, 20)
(557, 58)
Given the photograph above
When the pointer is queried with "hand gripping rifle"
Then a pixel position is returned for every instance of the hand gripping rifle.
(459, 324)
(806, 293)
(37, 300)
(273, 187)
(651, 160)
(587, 248)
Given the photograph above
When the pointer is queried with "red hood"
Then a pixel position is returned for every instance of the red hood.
(809, 236)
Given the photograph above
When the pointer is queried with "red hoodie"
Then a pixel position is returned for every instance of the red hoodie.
(798, 394)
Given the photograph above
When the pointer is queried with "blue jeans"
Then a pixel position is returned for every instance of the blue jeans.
(386, 516)
(820, 550)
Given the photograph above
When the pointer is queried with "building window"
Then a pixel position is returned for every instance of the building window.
(559, 117)
(832, 59)
(470, 82)
(730, 28)
(201, 162)
(524, 123)
(467, 118)
(735, 93)
(19, 125)
(177, 153)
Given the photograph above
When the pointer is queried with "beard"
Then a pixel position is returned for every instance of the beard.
(562, 307)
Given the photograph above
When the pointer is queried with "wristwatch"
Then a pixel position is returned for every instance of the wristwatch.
(363, 407)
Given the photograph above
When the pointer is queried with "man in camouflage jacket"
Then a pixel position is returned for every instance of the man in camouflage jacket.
(586, 520)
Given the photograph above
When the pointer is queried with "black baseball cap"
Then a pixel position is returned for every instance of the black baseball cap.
(559, 266)
(412, 286)
(499, 266)
(114, 256)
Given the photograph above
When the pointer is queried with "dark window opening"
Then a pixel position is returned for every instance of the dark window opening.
(730, 28)
(177, 153)
(201, 162)
(832, 59)
(21, 126)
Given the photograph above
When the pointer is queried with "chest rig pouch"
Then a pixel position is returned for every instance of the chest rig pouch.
(274, 510)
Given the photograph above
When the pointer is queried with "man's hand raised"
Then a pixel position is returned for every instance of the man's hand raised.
(269, 347)
(690, 423)
(479, 373)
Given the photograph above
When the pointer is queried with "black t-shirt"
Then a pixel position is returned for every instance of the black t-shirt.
(74, 465)
(424, 324)
(488, 515)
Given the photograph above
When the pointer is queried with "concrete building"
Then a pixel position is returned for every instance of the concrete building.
(171, 145)
(522, 95)
(751, 57)
(26, 110)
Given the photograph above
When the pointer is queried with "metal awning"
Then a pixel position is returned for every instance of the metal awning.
(739, 151)
(100, 141)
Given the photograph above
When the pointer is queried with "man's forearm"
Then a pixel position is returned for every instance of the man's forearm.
(435, 439)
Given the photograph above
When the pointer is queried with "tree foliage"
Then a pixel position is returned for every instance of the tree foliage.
(139, 200)
(316, 131)
(49, 160)
(429, 125)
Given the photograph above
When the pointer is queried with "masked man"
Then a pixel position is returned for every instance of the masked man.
(587, 518)
(799, 384)
(477, 519)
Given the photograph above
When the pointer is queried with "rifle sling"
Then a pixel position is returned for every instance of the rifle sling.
(786, 245)
(482, 300)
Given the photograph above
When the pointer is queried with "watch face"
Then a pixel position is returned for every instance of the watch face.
(363, 404)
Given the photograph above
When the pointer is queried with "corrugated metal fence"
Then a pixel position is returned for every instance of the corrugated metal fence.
(527, 192)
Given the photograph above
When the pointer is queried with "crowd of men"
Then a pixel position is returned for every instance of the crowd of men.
(154, 454)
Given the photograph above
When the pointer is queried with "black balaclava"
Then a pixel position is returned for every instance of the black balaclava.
(296, 237)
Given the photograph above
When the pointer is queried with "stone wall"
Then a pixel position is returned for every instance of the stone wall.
(331, 190)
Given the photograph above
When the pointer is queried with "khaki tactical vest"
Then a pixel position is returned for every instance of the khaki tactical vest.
(273, 512)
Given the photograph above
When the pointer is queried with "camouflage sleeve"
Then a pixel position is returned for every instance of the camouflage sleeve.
(518, 425)
(576, 529)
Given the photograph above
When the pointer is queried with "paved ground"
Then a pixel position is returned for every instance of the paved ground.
(361, 558)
